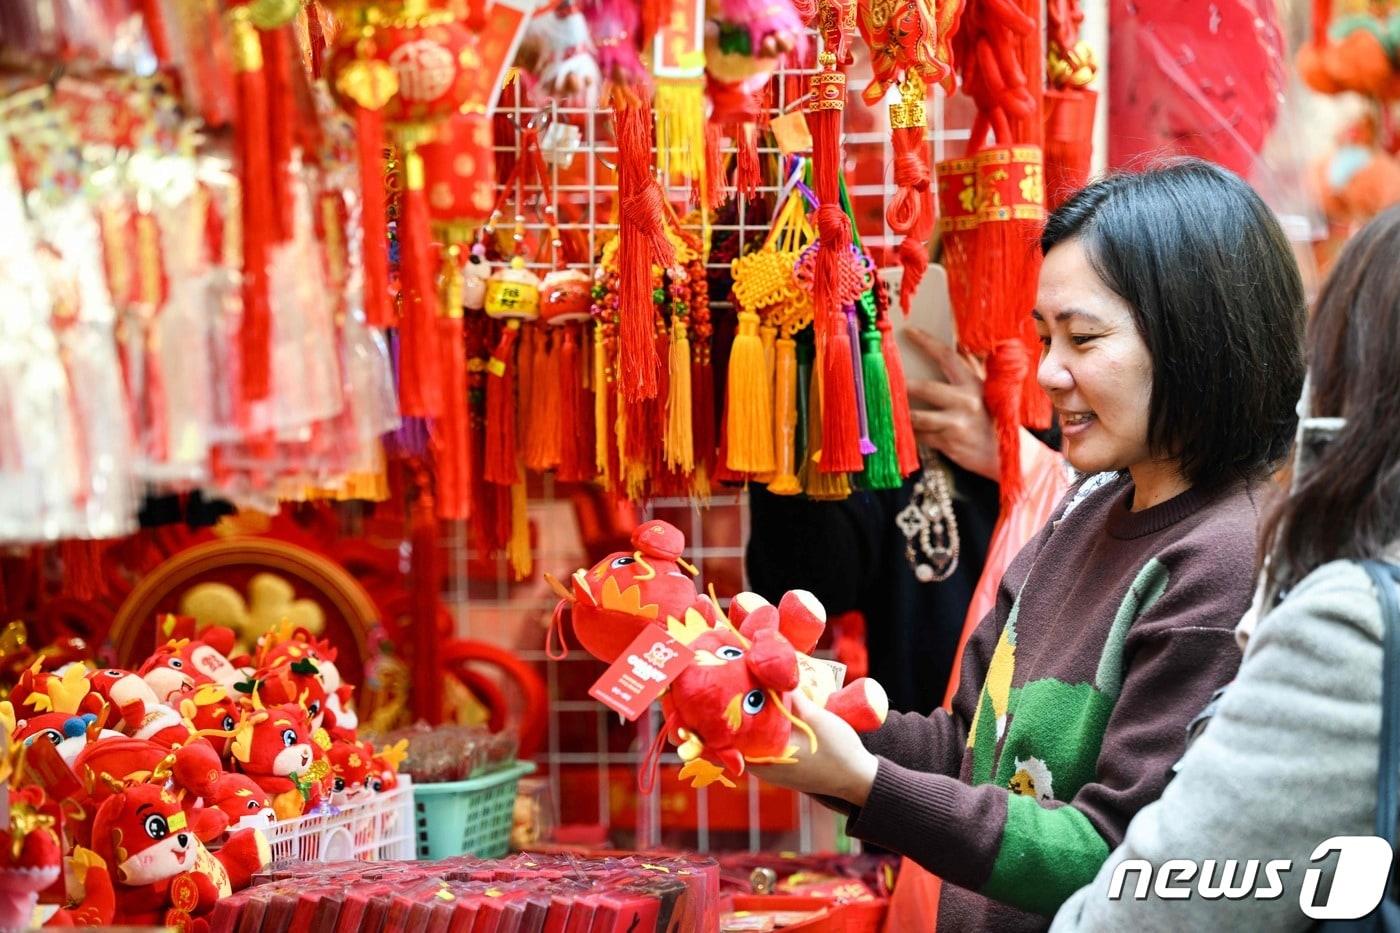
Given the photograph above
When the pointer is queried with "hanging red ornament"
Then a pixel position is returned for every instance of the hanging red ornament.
(461, 175)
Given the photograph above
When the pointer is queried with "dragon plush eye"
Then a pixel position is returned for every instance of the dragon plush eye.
(177, 663)
(314, 707)
(729, 653)
(339, 784)
(228, 722)
(52, 735)
(289, 737)
(156, 827)
(254, 805)
(622, 562)
(753, 702)
(376, 785)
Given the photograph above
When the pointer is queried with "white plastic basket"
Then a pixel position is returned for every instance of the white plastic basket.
(378, 829)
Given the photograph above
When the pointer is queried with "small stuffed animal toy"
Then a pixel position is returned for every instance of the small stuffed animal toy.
(384, 775)
(140, 713)
(352, 767)
(625, 592)
(239, 796)
(286, 646)
(273, 747)
(205, 653)
(213, 713)
(163, 873)
(732, 705)
(297, 682)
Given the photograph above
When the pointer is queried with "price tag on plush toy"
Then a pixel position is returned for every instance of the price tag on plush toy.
(641, 673)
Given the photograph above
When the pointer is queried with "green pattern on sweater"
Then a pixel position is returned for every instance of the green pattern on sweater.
(1045, 856)
(1045, 748)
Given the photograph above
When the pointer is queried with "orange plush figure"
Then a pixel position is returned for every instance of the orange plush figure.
(163, 873)
(276, 649)
(214, 713)
(626, 591)
(732, 705)
(273, 747)
(141, 714)
(182, 664)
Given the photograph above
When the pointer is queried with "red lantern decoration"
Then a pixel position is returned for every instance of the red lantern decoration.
(431, 62)
(461, 175)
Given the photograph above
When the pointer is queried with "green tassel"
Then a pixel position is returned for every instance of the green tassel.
(881, 467)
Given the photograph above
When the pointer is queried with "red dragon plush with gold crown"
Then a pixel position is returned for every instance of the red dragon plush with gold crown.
(623, 593)
(273, 747)
(732, 705)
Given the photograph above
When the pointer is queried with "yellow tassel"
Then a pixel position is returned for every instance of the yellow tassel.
(518, 547)
(700, 484)
(785, 483)
(768, 336)
(679, 105)
(600, 408)
(680, 439)
(816, 482)
(750, 422)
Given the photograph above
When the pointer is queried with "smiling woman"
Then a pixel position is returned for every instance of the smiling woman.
(1171, 316)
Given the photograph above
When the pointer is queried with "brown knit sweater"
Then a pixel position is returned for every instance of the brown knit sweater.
(1112, 629)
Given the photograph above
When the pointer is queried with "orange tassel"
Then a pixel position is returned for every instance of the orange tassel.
(420, 363)
(575, 455)
(785, 483)
(718, 191)
(545, 413)
(501, 466)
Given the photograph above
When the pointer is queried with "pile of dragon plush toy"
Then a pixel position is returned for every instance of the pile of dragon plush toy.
(732, 704)
(139, 796)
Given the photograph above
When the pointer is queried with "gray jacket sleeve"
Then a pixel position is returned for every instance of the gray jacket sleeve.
(1289, 760)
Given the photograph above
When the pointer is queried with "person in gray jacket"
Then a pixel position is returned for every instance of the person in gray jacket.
(1289, 757)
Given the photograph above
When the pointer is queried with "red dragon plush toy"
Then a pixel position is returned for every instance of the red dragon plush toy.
(732, 705)
(626, 591)
(163, 873)
(273, 747)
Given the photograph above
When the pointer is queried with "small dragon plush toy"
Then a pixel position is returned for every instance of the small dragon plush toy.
(733, 704)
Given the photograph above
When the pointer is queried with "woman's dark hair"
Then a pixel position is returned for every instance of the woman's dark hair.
(1217, 297)
(1346, 504)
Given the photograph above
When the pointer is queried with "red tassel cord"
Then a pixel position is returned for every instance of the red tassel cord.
(911, 212)
(256, 202)
(451, 434)
(374, 244)
(747, 173)
(502, 467)
(840, 428)
(905, 444)
(575, 444)
(641, 242)
(718, 185)
(281, 121)
(1006, 375)
(420, 362)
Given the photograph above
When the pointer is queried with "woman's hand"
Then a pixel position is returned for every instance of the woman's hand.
(958, 426)
(840, 767)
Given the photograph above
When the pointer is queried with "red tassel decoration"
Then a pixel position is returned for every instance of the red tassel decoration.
(501, 465)
(277, 70)
(575, 449)
(641, 242)
(374, 219)
(906, 446)
(747, 175)
(1006, 376)
(718, 190)
(911, 210)
(82, 569)
(543, 445)
(420, 363)
(451, 434)
(840, 421)
(256, 203)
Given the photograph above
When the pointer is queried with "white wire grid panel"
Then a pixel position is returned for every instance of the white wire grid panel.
(381, 828)
(591, 759)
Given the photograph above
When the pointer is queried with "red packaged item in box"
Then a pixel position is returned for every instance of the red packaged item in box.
(624, 910)
(581, 917)
(251, 917)
(464, 913)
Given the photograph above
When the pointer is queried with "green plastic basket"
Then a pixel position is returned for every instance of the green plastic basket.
(471, 817)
